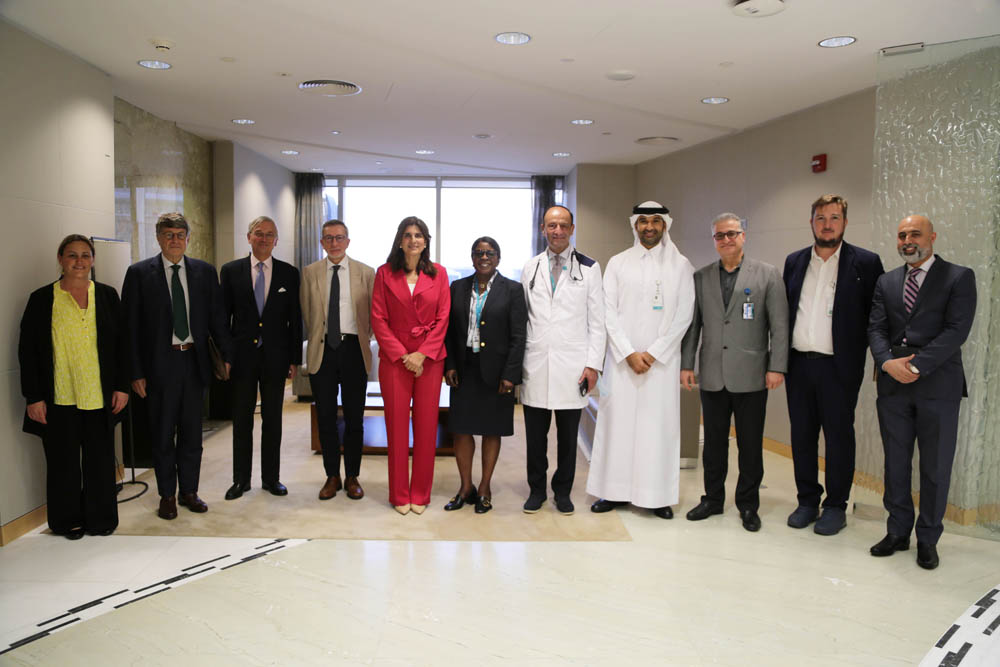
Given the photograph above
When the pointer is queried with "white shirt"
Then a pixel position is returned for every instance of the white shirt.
(924, 268)
(268, 272)
(187, 298)
(348, 325)
(814, 319)
(472, 337)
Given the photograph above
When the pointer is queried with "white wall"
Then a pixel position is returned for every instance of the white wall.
(56, 178)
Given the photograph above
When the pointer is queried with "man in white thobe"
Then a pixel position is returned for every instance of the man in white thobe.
(649, 301)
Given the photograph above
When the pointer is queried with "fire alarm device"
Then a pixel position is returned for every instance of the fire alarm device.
(819, 163)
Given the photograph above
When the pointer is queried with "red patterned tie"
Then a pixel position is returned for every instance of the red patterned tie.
(910, 289)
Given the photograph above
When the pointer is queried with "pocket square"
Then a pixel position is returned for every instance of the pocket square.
(281, 289)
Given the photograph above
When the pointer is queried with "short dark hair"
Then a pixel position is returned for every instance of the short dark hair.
(563, 208)
(73, 238)
(331, 223)
(397, 261)
(826, 200)
(172, 221)
(489, 240)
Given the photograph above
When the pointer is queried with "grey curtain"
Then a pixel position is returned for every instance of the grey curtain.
(308, 217)
(543, 191)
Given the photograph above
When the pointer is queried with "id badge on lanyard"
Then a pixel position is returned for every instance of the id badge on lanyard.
(658, 297)
(747, 306)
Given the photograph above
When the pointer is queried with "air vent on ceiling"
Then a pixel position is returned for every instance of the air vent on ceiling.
(757, 8)
(330, 87)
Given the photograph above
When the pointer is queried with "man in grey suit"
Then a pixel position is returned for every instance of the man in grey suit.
(741, 318)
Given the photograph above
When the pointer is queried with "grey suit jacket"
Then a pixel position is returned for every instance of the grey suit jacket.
(736, 353)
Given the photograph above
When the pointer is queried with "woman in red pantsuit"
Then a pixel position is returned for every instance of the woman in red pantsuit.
(410, 305)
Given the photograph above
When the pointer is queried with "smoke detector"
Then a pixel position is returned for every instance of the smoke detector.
(757, 8)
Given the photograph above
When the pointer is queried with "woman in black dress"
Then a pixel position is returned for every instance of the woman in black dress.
(486, 333)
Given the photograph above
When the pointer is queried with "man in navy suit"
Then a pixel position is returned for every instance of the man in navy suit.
(172, 303)
(921, 314)
(829, 287)
(261, 297)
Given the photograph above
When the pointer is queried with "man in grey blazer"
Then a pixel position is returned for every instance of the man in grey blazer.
(336, 297)
(741, 319)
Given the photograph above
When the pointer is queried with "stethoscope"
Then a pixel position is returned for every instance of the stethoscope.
(573, 255)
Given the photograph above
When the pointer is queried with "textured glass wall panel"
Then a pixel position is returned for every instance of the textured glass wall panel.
(937, 153)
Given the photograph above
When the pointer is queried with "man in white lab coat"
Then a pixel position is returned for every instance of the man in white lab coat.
(562, 356)
(649, 301)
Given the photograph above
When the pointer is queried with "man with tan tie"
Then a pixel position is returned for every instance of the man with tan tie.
(336, 299)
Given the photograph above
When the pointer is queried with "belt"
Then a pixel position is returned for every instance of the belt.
(183, 347)
(813, 355)
(343, 337)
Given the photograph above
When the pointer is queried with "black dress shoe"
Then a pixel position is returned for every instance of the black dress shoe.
(750, 519)
(459, 501)
(564, 505)
(483, 505)
(703, 510)
(275, 488)
(602, 505)
(101, 533)
(889, 545)
(168, 508)
(192, 502)
(236, 490)
(533, 504)
(74, 533)
(927, 556)
(803, 516)
(664, 512)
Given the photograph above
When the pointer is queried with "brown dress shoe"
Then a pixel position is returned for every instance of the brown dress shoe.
(354, 490)
(168, 508)
(331, 487)
(192, 502)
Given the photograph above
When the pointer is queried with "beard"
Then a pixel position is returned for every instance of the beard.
(919, 254)
(828, 243)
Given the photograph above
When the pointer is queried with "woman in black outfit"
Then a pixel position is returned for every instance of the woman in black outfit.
(74, 378)
(486, 333)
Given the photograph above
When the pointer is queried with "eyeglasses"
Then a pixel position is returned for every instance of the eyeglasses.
(731, 234)
(270, 236)
(339, 238)
(170, 236)
(484, 253)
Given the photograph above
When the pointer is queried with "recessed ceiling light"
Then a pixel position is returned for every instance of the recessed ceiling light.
(424, 151)
(726, 63)
(243, 121)
(513, 38)
(561, 154)
(483, 135)
(334, 131)
(606, 133)
(582, 121)
(621, 75)
(330, 87)
(834, 42)
(227, 59)
(714, 100)
(567, 60)
(656, 141)
(154, 64)
(318, 169)
(289, 152)
(378, 161)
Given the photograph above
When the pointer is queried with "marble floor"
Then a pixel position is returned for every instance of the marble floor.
(677, 593)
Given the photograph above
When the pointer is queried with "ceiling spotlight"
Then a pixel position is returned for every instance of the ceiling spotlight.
(834, 42)
(424, 151)
(378, 161)
(513, 38)
(154, 64)
(227, 59)
(656, 141)
(318, 169)
(289, 152)
(621, 75)
(334, 131)
(244, 121)
(483, 136)
(714, 100)
(561, 154)
(582, 121)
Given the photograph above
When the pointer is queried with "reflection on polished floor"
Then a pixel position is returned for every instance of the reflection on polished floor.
(676, 593)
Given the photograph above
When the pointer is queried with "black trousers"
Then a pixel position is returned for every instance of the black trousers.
(536, 427)
(748, 410)
(174, 403)
(80, 490)
(245, 380)
(343, 367)
(903, 418)
(817, 399)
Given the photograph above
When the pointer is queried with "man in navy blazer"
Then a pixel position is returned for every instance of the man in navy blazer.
(921, 314)
(261, 297)
(172, 303)
(829, 287)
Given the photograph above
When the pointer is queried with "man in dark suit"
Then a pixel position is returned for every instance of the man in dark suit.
(261, 297)
(172, 303)
(921, 314)
(829, 287)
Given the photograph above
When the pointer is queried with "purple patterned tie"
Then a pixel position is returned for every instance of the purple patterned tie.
(910, 289)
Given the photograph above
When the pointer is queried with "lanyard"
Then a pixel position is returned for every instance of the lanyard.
(480, 302)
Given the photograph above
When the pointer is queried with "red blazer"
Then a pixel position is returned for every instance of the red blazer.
(403, 323)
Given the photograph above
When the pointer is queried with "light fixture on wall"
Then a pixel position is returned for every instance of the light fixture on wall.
(288, 151)
(513, 38)
(154, 64)
(243, 121)
(714, 100)
(837, 42)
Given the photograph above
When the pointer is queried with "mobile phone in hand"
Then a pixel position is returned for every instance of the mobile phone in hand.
(584, 386)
